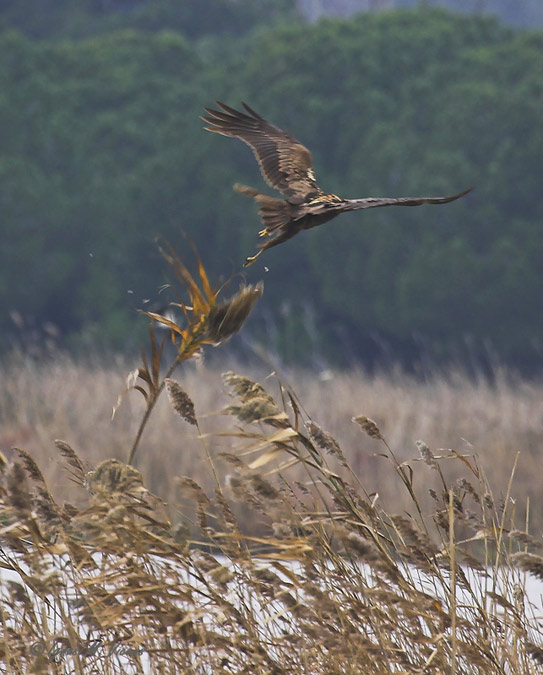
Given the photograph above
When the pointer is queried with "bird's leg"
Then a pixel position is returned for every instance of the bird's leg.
(263, 233)
(250, 260)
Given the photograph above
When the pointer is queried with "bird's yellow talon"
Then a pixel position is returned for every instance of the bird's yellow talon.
(250, 260)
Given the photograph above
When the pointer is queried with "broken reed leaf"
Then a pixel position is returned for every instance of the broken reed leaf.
(368, 426)
(200, 303)
(265, 458)
(112, 476)
(226, 319)
(427, 455)
(131, 380)
(164, 321)
(180, 400)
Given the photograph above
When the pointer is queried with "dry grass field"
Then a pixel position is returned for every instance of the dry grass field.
(252, 522)
(59, 398)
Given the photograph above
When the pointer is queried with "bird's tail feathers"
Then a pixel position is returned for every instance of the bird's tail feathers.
(246, 190)
(274, 213)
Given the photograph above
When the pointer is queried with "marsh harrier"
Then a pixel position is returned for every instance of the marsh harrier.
(287, 166)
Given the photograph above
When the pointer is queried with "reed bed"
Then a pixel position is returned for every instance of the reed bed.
(44, 400)
(226, 528)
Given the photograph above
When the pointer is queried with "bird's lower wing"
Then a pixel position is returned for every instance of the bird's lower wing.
(374, 202)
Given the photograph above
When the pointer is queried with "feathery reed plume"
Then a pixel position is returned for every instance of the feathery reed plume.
(324, 440)
(264, 488)
(427, 455)
(360, 546)
(526, 539)
(73, 460)
(535, 651)
(227, 318)
(529, 562)
(256, 404)
(257, 409)
(244, 387)
(180, 400)
(368, 426)
(30, 465)
(18, 495)
(112, 476)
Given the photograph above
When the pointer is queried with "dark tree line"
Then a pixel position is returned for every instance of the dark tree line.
(102, 151)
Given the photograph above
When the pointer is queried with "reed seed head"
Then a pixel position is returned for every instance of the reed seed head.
(535, 651)
(71, 457)
(264, 488)
(31, 467)
(427, 455)
(112, 476)
(529, 562)
(226, 319)
(180, 400)
(18, 494)
(368, 426)
(255, 410)
(323, 439)
(244, 387)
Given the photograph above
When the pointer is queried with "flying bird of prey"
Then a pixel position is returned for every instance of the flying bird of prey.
(287, 166)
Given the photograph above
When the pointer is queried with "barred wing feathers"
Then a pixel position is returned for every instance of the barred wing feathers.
(341, 205)
(285, 163)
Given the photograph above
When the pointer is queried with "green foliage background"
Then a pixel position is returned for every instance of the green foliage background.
(102, 150)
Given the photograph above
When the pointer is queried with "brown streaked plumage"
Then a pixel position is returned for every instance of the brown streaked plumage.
(287, 166)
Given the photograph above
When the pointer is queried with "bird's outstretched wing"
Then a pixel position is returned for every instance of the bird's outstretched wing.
(374, 202)
(285, 163)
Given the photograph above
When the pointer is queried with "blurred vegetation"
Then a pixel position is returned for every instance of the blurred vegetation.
(515, 12)
(102, 151)
(82, 18)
